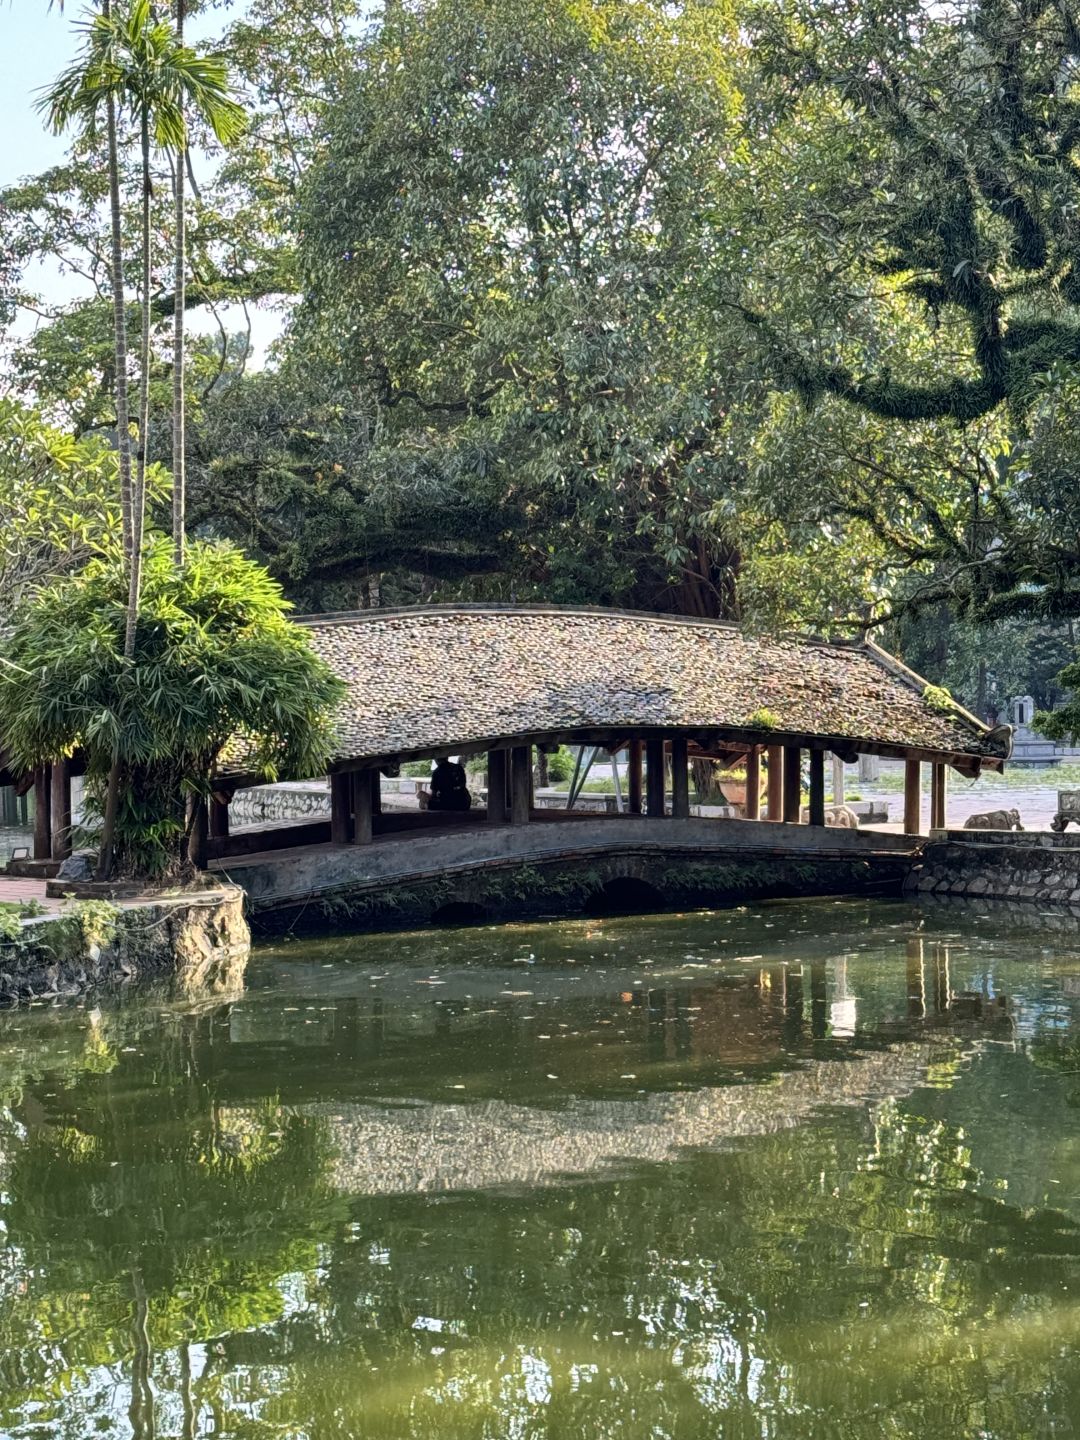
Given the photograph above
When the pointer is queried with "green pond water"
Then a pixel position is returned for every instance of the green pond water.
(793, 1171)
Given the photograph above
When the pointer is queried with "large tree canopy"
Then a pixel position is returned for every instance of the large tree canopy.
(503, 245)
(936, 153)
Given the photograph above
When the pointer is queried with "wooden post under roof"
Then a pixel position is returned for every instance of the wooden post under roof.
(837, 780)
(363, 805)
(197, 835)
(939, 783)
(654, 779)
(60, 810)
(817, 787)
(912, 797)
(219, 816)
(340, 807)
(792, 784)
(680, 778)
(634, 776)
(775, 799)
(752, 808)
(520, 784)
(42, 813)
(497, 808)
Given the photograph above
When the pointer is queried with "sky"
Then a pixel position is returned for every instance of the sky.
(35, 45)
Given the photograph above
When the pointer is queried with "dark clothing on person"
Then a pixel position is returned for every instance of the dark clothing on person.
(448, 787)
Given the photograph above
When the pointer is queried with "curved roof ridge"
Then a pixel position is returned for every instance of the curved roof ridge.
(662, 617)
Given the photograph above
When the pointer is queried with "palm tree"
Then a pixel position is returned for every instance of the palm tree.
(133, 63)
(136, 64)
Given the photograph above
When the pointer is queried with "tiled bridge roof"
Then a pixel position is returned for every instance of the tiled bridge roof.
(452, 678)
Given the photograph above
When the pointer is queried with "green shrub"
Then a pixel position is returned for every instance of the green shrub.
(218, 672)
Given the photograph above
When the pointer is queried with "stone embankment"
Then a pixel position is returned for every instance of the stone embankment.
(1001, 865)
(192, 942)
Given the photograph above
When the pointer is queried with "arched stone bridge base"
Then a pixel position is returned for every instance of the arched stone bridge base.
(511, 874)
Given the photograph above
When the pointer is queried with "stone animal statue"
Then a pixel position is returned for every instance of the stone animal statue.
(994, 820)
(841, 817)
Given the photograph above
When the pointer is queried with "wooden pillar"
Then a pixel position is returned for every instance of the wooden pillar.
(60, 810)
(654, 779)
(938, 796)
(775, 800)
(752, 808)
(792, 783)
(42, 814)
(363, 805)
(219, 817)
(197, 836)
(817, 787)
(634, 776)
(520, 784)
(912, 797)
(497, 808)
(680, 778)
(340, 807)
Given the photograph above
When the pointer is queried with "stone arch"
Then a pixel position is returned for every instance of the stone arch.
(625, 893)
(460, 912)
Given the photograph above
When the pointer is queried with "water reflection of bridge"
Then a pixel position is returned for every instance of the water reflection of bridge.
(698, 1065)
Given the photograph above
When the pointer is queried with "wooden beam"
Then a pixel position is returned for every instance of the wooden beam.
(817, 787)
(654, 779)
(752, 809)
(680, 778)
(60, 810)
(792, 784)
(520, 784)
(634, 776)
(340, 807)
(939, 782)
(912, 796)
(363, 806)
(775, 800)
(497, 808)
(42, 814)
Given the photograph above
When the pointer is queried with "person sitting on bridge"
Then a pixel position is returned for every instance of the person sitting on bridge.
(448, 786)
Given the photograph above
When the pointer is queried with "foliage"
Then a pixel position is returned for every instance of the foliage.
(914, 259)
(132, 54)
(763, 719)
(1063, 724)
(938, 699)
(281, 462)
(559, 766)
(216, 661)
(531, 329)
(59, 502)
(13, 913)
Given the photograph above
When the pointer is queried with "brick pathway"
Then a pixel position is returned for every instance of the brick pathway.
(17, 891)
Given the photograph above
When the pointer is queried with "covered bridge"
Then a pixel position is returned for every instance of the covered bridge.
(463, 680)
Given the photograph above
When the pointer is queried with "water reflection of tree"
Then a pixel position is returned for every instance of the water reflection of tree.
(140, 1222)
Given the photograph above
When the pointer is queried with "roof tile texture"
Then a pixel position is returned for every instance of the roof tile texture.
(431, 678)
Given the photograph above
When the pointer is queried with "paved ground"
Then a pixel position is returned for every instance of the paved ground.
(1037, 806)
(17, 891)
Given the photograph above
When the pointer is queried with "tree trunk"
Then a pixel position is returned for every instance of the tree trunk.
(123, 431)
(138, 494)
(179, 498)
